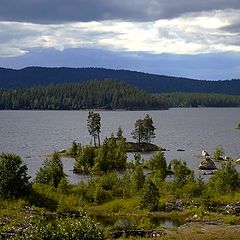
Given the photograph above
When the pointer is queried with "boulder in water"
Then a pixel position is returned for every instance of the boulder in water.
(62, 150)
(205, 153)
(207, 164)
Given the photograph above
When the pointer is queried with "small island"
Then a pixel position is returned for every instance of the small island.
(111, 154)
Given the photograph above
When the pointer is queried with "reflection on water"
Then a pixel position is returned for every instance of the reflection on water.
(120, 222)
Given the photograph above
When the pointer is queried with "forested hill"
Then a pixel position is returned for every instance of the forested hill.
(39, 76)
(106, 94)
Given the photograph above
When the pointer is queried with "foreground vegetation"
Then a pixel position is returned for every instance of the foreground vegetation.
(52, 208)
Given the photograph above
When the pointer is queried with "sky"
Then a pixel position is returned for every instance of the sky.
(187, 38)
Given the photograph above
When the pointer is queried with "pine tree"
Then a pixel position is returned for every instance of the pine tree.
(150, 196)
(138, 132)
(13, 177)
(119, 133)
(94, 126)
(148, 128)
(144, 130)
(158, 164)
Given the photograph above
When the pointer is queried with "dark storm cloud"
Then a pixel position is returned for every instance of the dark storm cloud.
(232, 28)
(59, 11)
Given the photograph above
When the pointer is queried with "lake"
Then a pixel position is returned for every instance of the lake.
(34, 134)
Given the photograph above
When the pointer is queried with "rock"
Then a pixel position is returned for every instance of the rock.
(207, 164)
(205, 153)
(141, 147)
(138, 233)
(208, 173)
(163, 149)
(238, 161)
(62, 150)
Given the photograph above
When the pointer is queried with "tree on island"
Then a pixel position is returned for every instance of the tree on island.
(138, 132)
(148, 128)
(144, 130)
(94, 126)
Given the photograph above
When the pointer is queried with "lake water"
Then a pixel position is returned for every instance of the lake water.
(34, 134)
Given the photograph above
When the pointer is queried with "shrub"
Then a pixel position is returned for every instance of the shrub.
(68, 229)
(13, 177)
(137, 178)
(52, 171)
(85, 159)
(218, 154)
(194, 187)
(101, 195)
(75, 149)
(64, 186)
(150, 196)
(181, 172)
(225, 180)
(158, 162)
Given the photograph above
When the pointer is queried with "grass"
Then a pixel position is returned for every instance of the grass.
(117, 206)
(14, 214)
(46, 200)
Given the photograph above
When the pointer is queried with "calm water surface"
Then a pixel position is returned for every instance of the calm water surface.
(34, 134)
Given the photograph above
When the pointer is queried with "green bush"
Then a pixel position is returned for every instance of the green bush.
(13, 177)
(218, 154)
(150, 196)
(52, 171)
(157, 163)
(101, 195)
(64, 186)
(181, 172)
(137, 178)
(225, 180)
(67, 229)
(75, 149)
(85, 159)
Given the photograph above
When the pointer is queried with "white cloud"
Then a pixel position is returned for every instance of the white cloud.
(189, 34)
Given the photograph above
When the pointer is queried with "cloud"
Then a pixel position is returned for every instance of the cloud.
(205, 32)
(62, 11)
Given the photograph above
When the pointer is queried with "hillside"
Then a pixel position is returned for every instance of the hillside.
(106, 94)
(39, 76)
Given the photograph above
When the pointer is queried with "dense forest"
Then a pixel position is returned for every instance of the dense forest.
(200, 100)
(105, 94)
(39, 76)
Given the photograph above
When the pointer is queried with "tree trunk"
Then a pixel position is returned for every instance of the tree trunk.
(98, 140)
